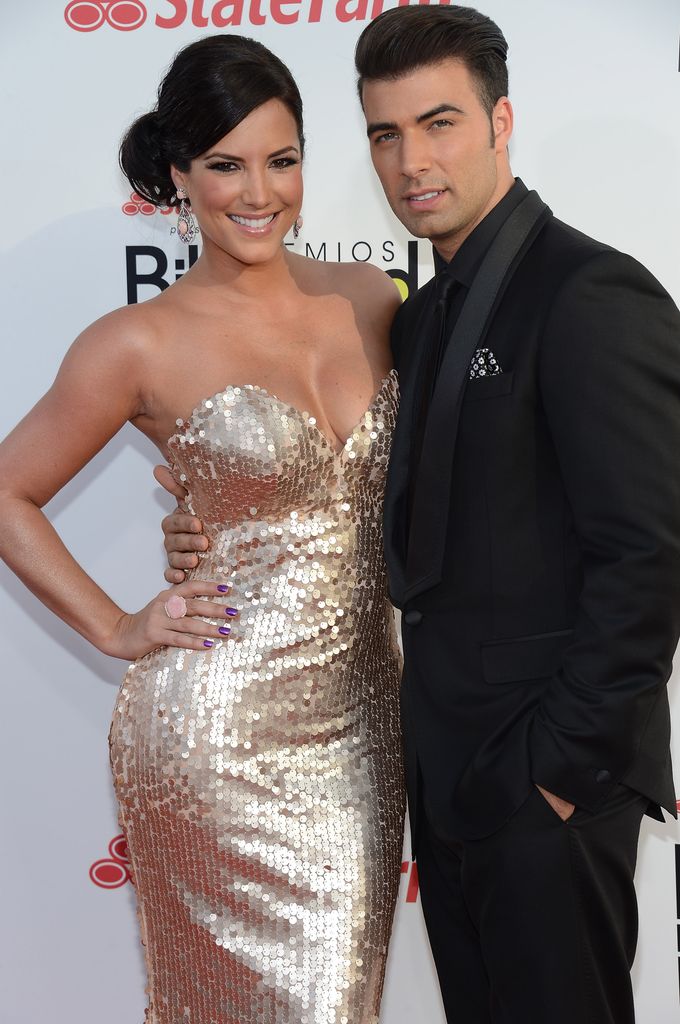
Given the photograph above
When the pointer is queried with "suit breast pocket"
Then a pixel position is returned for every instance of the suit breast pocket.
(524, 658)
(493, 386)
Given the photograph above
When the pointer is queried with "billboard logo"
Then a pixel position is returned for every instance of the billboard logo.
(149, 266)
(114, 870)
(89, 15)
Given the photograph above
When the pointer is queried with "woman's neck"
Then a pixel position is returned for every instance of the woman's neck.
(217, 269)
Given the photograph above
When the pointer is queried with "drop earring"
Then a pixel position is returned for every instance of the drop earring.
(187, 228)
(297, 228)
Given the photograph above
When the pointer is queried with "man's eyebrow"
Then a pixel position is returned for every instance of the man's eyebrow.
(380, 126)
(391, 126)
(443, 108)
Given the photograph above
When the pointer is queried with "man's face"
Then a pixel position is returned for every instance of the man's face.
(442, 164)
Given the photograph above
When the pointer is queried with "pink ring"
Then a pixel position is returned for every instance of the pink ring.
(175, 607)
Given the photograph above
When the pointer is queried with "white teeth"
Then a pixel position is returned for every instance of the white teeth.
(421, 199)
(251, 222)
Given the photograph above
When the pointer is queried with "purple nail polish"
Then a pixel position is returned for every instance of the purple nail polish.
(207, 643)
(223, 588)
(224, 630)
(231, 611)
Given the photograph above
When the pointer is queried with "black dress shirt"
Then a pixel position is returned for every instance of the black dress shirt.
(452, 282)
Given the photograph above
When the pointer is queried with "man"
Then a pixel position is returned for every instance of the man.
(532, 533)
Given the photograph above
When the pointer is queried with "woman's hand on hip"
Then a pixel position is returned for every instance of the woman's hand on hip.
(174, 618)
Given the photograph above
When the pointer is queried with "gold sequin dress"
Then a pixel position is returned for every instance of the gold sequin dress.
(260, 781)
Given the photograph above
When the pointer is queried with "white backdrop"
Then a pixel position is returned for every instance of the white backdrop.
(596, 90)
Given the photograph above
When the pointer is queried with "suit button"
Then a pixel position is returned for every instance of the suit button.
(603, 776)
(413, 618)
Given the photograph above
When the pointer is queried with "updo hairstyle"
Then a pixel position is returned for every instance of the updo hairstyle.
(212, 85)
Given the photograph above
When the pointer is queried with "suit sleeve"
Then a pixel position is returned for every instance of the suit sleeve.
(610, 387)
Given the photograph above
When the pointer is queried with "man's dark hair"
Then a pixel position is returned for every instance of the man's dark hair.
(405, 38)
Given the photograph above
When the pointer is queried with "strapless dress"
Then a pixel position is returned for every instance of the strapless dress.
(260, 782)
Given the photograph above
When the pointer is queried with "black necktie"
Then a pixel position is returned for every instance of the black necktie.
(435, 345)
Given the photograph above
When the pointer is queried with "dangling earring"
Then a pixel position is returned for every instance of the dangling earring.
(297, 227)
(187, 228)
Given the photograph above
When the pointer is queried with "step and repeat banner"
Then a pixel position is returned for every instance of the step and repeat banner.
(596, 92)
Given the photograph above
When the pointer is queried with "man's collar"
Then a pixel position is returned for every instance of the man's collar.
(466, 261)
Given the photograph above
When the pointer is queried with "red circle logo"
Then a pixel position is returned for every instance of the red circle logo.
(113, 871)
(88, 15)
(109, 874)
(118, 849)
(137, 204)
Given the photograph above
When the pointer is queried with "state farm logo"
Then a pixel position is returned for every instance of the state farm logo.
(113, 871)
(138, 204)
(125, 15)
(88, 15)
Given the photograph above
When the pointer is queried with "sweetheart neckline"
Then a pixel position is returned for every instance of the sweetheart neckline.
(307, 417)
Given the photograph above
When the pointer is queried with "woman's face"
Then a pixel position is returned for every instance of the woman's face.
(246, 190)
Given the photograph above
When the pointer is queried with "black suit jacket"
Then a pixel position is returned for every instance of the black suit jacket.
(539, 649)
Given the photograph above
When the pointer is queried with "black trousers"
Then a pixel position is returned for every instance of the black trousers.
(537, 923)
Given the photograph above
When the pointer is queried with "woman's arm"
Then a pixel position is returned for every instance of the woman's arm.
(98, 388)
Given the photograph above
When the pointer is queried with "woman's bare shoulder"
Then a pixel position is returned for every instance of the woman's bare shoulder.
(129, 331)
(367, 287)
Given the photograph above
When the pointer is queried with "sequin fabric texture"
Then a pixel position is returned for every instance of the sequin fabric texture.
(260, 782)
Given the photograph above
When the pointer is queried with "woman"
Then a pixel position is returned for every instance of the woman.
(255, 741)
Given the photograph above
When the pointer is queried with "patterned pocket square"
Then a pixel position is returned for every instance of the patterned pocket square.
(484, 364)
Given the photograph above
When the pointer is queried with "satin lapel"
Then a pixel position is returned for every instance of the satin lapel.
(430, 519)
(396, 487)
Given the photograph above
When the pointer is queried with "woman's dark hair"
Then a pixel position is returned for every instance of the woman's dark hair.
(405, 38)
(212, 85)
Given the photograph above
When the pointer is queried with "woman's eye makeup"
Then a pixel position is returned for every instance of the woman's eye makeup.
(280, 163)
(223, 165)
